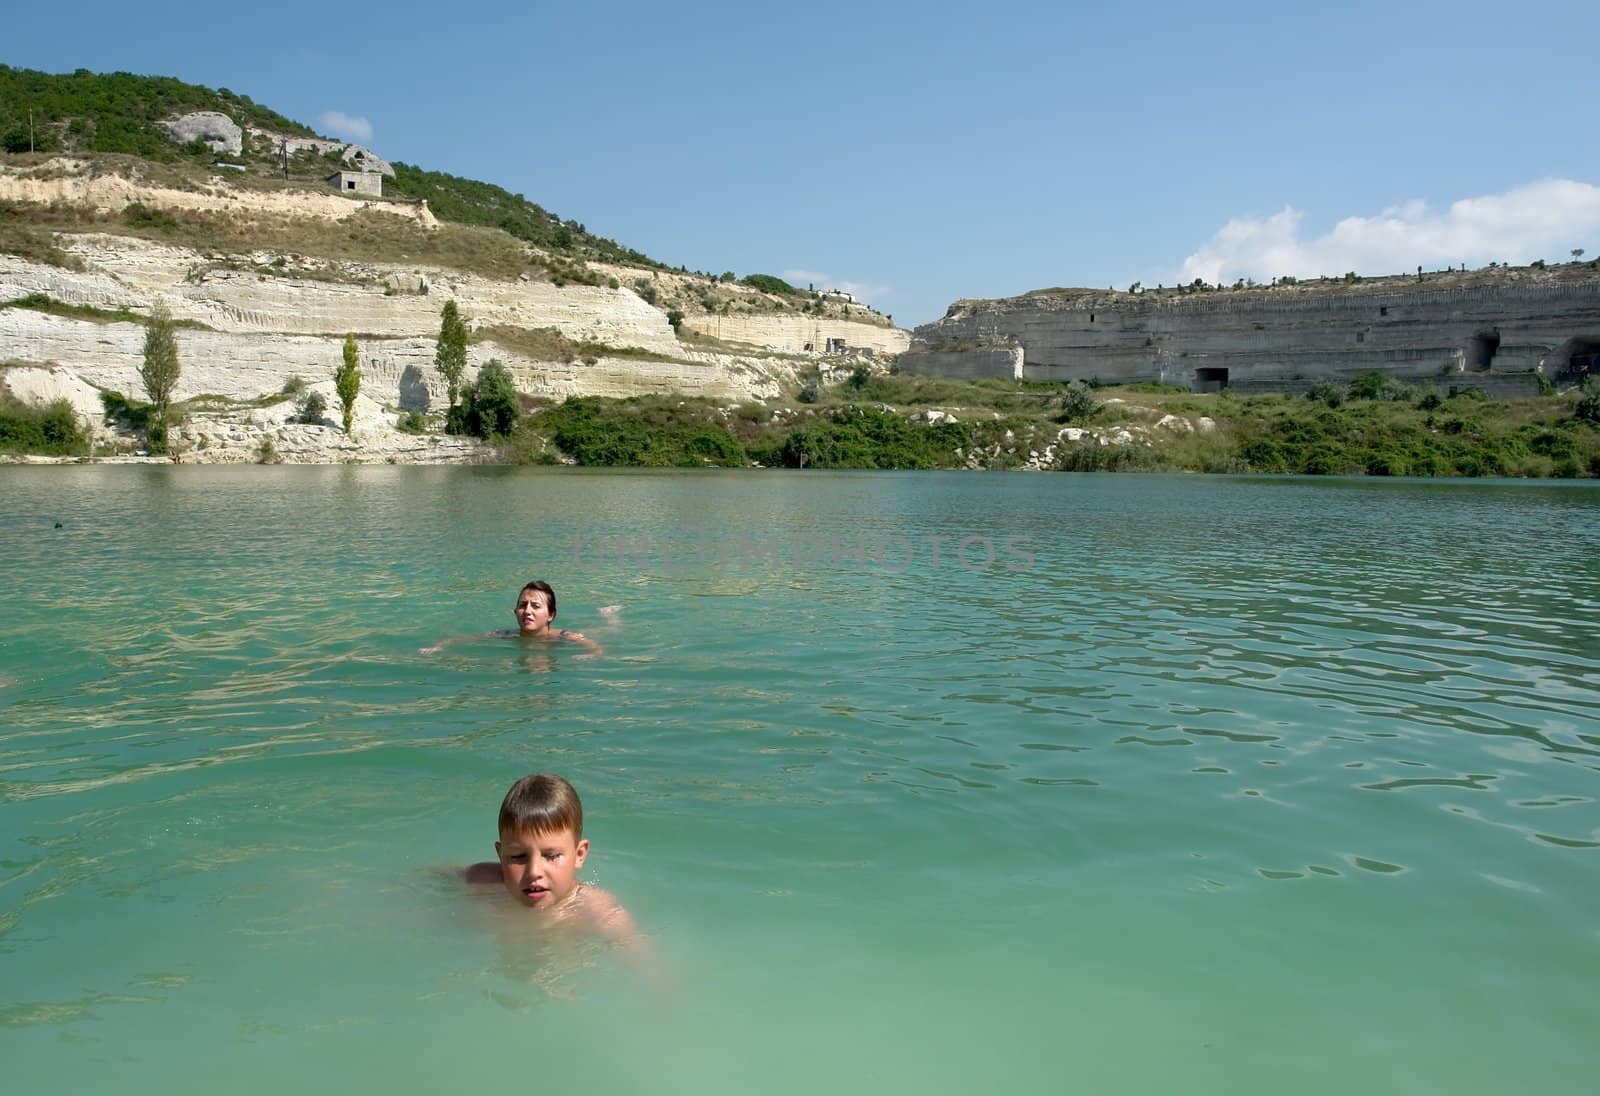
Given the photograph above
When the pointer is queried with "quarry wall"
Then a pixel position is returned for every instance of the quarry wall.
(1271, 340)
(253, 322)
(250, 332)
(398, 372)
(796, 334)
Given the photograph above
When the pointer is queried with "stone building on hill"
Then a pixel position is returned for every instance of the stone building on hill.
(357, 182)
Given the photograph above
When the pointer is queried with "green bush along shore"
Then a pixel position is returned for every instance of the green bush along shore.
(884, 422)
(51, 430)
(904, 422)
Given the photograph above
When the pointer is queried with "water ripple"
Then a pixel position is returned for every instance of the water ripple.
(1340, 716)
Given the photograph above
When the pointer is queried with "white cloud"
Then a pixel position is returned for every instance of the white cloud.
(795, 277)
(351, 128)
(1541, 220)
(863, 292)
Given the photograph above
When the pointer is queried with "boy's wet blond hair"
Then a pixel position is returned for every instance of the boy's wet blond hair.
(542, 803)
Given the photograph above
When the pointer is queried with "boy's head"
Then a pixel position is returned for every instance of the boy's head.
(535, 607)
(541, 844)
(542, 803)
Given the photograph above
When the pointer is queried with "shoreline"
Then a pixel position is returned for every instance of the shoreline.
(903, 422)
(43, 460)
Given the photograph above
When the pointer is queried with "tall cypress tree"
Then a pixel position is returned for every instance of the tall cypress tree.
(159, 371)
(347, 379)
(451, 353)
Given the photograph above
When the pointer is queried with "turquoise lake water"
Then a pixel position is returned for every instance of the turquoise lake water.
(1202, 785)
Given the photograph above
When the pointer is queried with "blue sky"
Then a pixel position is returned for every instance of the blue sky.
(920, 153)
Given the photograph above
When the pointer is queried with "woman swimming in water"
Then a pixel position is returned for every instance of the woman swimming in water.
(535, 611)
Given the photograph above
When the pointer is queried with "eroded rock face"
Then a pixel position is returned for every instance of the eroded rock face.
(252, 333)
(797, 334)
(359, 157)
(1490, 330)
(219, 132)
(251, 324)
(398, 371)
(273, 434)
(364, 159)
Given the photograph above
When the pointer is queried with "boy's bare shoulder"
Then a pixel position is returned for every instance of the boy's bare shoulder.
(599, 902)
(487, 871)
(605, 913)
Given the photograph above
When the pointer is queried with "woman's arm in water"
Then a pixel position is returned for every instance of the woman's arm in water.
(608, 623)
(435, 648)
(591, 649)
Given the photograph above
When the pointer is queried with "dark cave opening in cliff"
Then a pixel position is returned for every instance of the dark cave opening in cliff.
(1212, 379)
(1477, 353)
(1577, 357)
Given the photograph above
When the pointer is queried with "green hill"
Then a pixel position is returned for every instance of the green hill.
(119, 113)
(87, 112)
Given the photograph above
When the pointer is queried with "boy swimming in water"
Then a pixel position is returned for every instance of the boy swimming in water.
(541, 849)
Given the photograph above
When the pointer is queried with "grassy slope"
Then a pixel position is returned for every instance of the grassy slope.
(118, 113)
(113, 120)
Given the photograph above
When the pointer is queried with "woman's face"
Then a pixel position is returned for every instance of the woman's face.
(533, 612)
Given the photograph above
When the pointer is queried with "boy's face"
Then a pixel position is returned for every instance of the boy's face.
(532, 611)
(540, 870)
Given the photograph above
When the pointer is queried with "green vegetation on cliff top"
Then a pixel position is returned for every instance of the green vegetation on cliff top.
(468, 202)
(88, 112)
(881, 423)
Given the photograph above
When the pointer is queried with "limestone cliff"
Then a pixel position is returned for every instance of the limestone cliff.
(253, 331)
(1497, 330)
(253, 322)
(798, 333)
